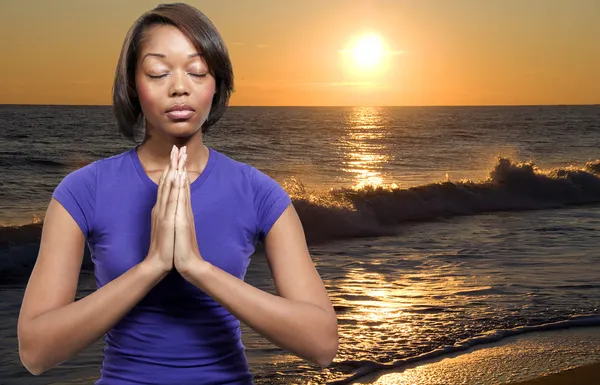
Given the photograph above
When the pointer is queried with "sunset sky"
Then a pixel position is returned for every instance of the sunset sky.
(431, 52)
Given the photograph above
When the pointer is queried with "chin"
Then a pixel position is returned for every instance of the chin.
(182, 130)
(176, 128)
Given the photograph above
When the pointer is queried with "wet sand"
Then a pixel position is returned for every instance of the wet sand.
(585, 375)
(540, 358)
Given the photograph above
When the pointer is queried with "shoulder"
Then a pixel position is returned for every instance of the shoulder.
(268, 197)
(114, 162)
(255, 177)
(77, 190)
(89, 173)
(85, 175)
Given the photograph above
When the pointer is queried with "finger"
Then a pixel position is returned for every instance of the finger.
(181, 163)
(167, 187)
(180, 195)
(188, 201)
(153, 220)
(187, 188)
(188, 191)
(162, 178)
(164, 186)
(184, 188)
(187, 176)
(175, 158)
(180, 166)
(173, 201)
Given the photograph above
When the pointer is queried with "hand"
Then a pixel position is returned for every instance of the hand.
(162, 238)
(186, 245)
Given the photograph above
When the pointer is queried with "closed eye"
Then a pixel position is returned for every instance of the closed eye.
(163, 75)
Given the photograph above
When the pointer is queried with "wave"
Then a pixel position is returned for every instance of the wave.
(11, 161)
(19, 247)
(47, 162)
(377, 211)
(366, 367)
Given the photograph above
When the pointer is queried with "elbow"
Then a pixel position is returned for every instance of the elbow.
(30, 361)
(327, 353)
(29, 354)
(328, 348)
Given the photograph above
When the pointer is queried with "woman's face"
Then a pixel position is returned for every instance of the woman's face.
(174, 86)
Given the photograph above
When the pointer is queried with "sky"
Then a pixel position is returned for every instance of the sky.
(304, 52)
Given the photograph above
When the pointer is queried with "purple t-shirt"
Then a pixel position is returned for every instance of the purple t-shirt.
(176, 334)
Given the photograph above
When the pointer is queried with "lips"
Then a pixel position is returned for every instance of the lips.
(180, 111)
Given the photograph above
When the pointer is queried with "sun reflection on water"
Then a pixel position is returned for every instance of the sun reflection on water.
(365, 147)
(379, 313)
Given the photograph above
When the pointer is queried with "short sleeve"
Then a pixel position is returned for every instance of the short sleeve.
(77, 194)
(270, 201)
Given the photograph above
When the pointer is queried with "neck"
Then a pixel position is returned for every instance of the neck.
(155, 151)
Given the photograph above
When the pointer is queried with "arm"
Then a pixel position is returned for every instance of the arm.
(52, 328)
(301, 319)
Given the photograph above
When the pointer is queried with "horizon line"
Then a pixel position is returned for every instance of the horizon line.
(332, 106)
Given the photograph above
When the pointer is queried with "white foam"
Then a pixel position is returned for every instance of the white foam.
(515, 359)
(494, 336)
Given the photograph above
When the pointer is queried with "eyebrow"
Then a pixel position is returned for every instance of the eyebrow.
(161, 55)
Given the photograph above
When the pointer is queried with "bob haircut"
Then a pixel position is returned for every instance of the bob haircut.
(205, 37)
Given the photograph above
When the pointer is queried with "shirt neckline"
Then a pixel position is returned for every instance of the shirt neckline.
(196, 184)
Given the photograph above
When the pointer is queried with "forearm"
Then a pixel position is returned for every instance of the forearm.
(58, 335)
(302, 328)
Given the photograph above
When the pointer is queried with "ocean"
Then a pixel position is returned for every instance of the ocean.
(434, 228)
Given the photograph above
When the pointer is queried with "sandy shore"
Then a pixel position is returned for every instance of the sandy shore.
(585, 375)
(540, 358)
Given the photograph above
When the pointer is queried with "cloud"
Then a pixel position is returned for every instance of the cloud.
(238, 43)
(261, 46)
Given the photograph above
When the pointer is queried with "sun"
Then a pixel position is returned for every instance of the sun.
(368, 51)
(368, 58)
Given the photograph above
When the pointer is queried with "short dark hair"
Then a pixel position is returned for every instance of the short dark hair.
(203, 34)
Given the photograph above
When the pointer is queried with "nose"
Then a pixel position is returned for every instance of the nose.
(178, 84)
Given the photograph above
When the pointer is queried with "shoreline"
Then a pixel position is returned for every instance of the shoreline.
(582, 375)
(550, 357)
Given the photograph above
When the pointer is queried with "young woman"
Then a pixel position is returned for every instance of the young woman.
(171, 225)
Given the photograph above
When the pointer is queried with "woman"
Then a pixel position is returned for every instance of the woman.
(171, 225)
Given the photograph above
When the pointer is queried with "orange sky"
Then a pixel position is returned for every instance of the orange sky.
(440, 52)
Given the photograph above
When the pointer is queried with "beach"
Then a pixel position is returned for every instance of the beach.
(570, 356)
(584, 375)
(453, 241)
